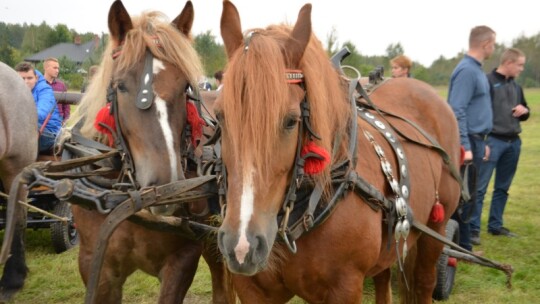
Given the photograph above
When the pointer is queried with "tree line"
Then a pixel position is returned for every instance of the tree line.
(20, 41)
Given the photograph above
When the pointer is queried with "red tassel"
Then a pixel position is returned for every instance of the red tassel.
(437, 213)
(104, 116)
(195, 121)
(315, 164)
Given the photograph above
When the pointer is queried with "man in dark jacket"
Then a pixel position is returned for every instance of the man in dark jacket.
(509, 109)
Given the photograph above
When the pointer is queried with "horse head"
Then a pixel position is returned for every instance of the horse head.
(265, 126)
(153, 65)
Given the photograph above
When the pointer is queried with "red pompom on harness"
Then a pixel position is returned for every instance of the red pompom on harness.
(105, 117)
(437, 211)
(316, 158)
(195, 121)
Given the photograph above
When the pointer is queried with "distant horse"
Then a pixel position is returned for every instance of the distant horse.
(292, 135)
(18, 149)
(148, 67)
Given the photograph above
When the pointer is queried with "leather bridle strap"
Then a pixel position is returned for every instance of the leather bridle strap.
(145, 97)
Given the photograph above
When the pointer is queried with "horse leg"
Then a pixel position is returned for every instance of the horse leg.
(424, 277)
(178, 272)
(15, 269)
(383, 290)
(112, 278)
(215, 263)
(116, 267)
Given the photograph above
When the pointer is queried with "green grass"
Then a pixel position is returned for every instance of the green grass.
(54, 278)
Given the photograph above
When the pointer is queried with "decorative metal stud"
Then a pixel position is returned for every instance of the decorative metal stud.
(404, 170)
(380, 124)
(400, 153)
(405, 191)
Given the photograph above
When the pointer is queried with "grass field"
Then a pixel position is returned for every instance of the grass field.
(55, 279)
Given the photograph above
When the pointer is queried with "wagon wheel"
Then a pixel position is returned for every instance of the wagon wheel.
(446, 266)
(64, 236)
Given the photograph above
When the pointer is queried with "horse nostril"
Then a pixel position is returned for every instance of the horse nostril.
(221, 242)
(260, 247)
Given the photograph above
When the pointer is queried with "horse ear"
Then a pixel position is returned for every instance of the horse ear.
(231, 29)
(296, 44)
(184, 21)
(119, 22)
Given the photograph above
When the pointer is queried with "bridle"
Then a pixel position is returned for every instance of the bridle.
(294, 77)
(144, 100)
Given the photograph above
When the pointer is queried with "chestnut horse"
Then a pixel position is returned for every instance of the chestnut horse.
(148, 65)
(18, 149)
(155, 141)
(283, 106)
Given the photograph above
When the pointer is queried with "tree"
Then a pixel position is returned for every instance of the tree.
(331, 42)
(59, 34)
(6, 55)
(35, 38)
(212, 54)
(394, 50)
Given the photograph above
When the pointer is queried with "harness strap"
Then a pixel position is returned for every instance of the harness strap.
(434, 144)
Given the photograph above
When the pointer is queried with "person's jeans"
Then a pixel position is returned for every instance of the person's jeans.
(503, 159)
(46, 141)
(478, 147)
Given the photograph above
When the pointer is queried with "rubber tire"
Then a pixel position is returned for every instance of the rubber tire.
(63, 236)
(445, 273)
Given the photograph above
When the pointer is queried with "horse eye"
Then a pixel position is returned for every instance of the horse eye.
(122, 87)
(290, 122)
(219, 117)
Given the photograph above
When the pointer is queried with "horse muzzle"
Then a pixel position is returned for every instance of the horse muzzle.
(244, 255)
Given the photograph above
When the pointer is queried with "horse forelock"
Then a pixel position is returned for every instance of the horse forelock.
(257, 98)
(150, 30)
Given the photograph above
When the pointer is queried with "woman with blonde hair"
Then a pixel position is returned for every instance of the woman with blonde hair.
(401, 66)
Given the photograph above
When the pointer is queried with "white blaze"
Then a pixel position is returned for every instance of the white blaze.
(246, 211)
(163, 118)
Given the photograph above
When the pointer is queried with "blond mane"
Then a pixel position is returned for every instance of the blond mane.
(253, 125)
(173, 47)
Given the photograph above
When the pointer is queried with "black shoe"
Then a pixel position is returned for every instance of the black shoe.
(475, 239)
(503, 231)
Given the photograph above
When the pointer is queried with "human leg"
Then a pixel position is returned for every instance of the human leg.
(462, 215)
(484, 176)
(505, 171)
(46, 141)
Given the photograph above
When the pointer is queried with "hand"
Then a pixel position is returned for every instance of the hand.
(486, 153)
(468, 156)
(519, 110)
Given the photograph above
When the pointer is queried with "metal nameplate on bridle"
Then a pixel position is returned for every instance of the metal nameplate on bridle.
(146, 93)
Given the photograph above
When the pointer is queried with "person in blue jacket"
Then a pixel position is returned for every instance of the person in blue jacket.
(47, 110)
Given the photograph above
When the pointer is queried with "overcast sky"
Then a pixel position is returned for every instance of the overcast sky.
(426, 29)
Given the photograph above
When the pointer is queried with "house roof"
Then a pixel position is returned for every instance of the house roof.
(75, 52)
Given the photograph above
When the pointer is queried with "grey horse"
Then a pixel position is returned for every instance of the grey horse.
(18, 149)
